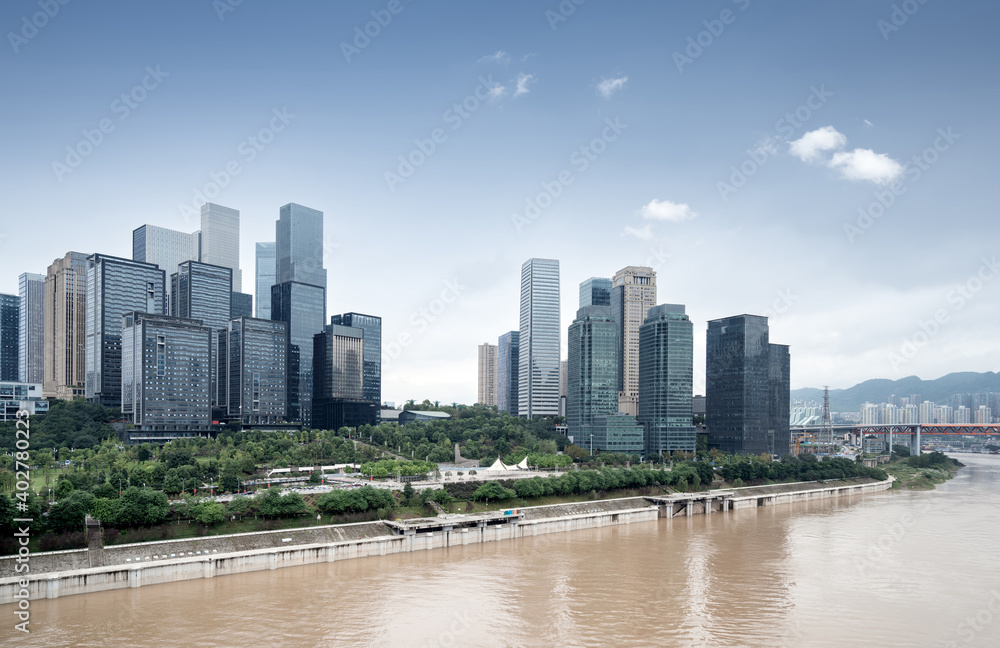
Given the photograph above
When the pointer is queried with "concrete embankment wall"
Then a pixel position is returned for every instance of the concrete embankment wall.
(165, 562)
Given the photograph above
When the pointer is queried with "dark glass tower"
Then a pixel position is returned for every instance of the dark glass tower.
(592, 371)
(666, 373)
(10, 321)
(372, 327)
(507, 372)
(204, 292)
(339, 360)
(779, 384)
(595, 291)
(255, 353)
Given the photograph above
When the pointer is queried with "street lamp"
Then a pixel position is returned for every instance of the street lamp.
(591, 445)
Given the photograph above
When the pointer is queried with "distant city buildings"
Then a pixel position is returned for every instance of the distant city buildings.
(595, 291)
(163, 247)
(371, 325)
(218, 241)
(253, 371)
(539, 340)
(31, 328)
(666, 375)
(508, 350)
(487, 374)
(264, 278)
(592, 372)
(338, 357)
(633, 293)
(10, 322)
(65, 311)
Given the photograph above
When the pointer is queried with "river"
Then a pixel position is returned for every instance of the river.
(892, 569)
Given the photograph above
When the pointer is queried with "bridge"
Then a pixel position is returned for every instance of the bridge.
(916, 431)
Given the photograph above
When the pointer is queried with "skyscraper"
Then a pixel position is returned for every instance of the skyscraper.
(203, 292)
(742, 380)
(65, 327)
(241, 305)
(538, 360)
(487, 382)
(372, 327)
(220, 240)
(338, 358)
(633, 293)
(254, 353)
(115, 286)
(264, 273)
(666, 374)
(298, 298)
(507, 368)
(10, 322)
(31, 328)
(164, 247)
(592, 370)
(595, 291)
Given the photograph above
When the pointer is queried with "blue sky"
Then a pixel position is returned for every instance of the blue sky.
(876, 86)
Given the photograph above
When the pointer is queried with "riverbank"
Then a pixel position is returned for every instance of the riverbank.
(924, 476)
(127, 566)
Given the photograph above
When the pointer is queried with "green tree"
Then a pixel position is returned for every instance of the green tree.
(209, 512)
(69, 513)
(493, 491)
(63, 488)
(408, 494)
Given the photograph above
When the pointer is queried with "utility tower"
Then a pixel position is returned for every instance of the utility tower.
(826, 436)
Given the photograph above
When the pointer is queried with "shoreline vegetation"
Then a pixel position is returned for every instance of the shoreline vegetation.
(920, 473)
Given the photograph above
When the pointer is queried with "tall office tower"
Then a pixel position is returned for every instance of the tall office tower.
(203, 292)
(507, 368)
(592, 370)
(219, 242)
(115, 286)
(241, 305)
(372, 326)
(166, 372)
(31, 328)
(264, 278)
(487, 382)
(298, 298)
(666, 375)
(338, 359)
(65, 327)
(595, 291)
(166, 248)
(253, 353)
(740, 385)
(633, 293)
(538, 359)
(10, 322)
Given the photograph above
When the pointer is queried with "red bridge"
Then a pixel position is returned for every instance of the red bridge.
(915, 431)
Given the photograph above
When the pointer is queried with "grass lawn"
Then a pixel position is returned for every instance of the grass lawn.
(910, 478)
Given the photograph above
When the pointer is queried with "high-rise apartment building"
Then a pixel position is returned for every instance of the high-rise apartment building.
(747, 378)
(371, 389)
(65, 327)
(592, 370)
(298, 298)
(264, 278)
(115, 286)
(633, 293)
(666, 375)
(10, 323)
(254, 357)
(166, 372)
(219, 240)
(507, 368)
(595, 291)
(487, 381)
(31, 328)
(538, 359)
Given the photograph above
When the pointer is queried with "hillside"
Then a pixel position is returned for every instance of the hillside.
(880, 389)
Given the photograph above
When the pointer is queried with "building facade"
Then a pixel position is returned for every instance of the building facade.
(241, 305)
(595, 291)
(10, 324)
(254, 353)
(31, 328)
(65, 327)
(163, 247)
(666, 376)
(592, 371)
(779, 401)
(166, 372)
(539, 340)
(487, 375)
(203, 292)
(372, 327)
(115, 286)
(264, 278)
(219, 240)
(633, 293)
(339, 357)
(508, 347)
(18, 396)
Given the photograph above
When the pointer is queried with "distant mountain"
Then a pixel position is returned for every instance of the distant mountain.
(879, 390)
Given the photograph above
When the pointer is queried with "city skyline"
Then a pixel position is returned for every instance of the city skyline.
(549, 91)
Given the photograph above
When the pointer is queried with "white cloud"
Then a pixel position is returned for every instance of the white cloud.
(664, 210)
(645, 232)
(526, 57)
(522, 84)
(496, 91)
(866, 164)
(608, 87)
(809, 146)
(868, 123)
(498, 56)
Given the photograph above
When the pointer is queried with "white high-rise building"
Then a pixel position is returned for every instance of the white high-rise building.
(219, 240)
(633, 293)
(538, 359)
(265, 276)
(164, 247)
(31, 328)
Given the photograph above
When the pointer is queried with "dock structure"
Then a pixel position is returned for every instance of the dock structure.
(459, 529)
(684, 504)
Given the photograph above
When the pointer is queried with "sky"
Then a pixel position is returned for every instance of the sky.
(824, 164)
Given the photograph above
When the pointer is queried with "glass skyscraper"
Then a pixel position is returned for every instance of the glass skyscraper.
(666, 375)
(538, 359)
(10, 322)
(31, 328)
(298, 298)
(339, 360)
(595, 291)
(264, 273)
(219, 240)
(742, 380)
(592, 370)
(507, 368)
(164, 247)
(241, 305)
(255, 357)
(115, 286)
(372, 326)
(203, 292)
